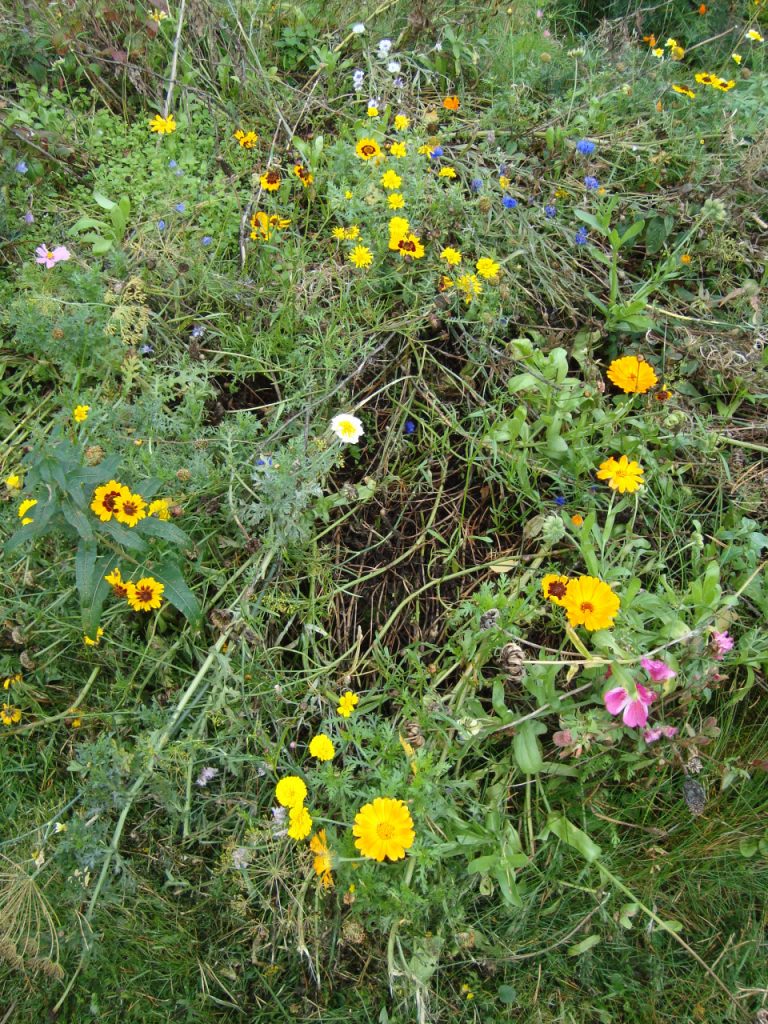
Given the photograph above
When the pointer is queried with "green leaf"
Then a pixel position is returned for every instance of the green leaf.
(632, 232)
(101, 245)
(526, 747)
(584, 945)
(153, 527)
(103, 202)
(655, 235)
(77, 519)
(593, 222)
(91, 585)
(748, 847)
(124, 535)
(506, 879)
(176, 590)
(507, 995)
(574, 837)
(482, 864)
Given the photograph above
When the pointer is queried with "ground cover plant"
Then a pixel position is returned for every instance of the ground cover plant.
(384, 534)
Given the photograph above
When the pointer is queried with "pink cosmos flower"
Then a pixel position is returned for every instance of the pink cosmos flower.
(635, 708)
(721, 644)
(659, 671)
(50, 257)
(667, 731)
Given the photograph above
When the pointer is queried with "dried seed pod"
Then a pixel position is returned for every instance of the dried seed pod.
(694, 796)
(353, 931)
(694, 765)
(512, 660)
(490, 618)
(26, 661)
(413, 734)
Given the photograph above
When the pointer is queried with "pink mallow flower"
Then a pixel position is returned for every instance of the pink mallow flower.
(635, 708)
(721, 644)
(659, 671)
(667, 731)
(50, 257)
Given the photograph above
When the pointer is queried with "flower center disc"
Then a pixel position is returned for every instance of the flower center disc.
(587, 607)
(144, 594)
(384, 830)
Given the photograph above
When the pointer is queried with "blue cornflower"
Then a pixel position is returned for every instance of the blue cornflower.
(550, 211)
(508, 203)
(437, 152)
(207, 240)
(161, 225)
(264, 463)
(560, 500)
(581, 236)
(172, 164)
(179, 207)
(586, 147)
(410, 427)
(21, 167)
(198, 331)
(146, 350)
(476, 184)
(29, 217)
(591, 183)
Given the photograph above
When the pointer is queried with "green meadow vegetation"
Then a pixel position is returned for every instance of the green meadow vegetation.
(382, 614)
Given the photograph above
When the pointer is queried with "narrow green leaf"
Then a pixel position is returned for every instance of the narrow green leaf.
(153, 527)
(574, 837)
(584, 945)
(527, 749)
(124, 535)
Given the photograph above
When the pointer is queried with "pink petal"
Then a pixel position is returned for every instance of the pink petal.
(669, 731)
(635, 714)
(651, 735)
(61, 252)
(616, 700)
(658, 670)
(644, 695)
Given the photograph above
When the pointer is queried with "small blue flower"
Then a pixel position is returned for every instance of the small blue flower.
(146, 350)
(550, 211)
(179, 207)
(179, 173)
(591, 183)
(21, 167)
(172, 164)
(29, 217)
(264, 463)
(437, 152)
(586, 147)
(476, 184)
(410, 427)
(581, 236)
(207, 240)
(161, 225)
(560, 500)
(198, 331)
(508, 203)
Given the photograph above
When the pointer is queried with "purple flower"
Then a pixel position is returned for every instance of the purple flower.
(508, 203)
(172, 164)
(635, 708)
(21, 167)
(550, 211)
(206, 775)
(161, 225)
(437, 152)
(358, 75)
(206, 240)
(581, 236)
(659, 671)
(721, 643)
(179, 207)
(586, 147)
(146, 350)
(198, 331)
(410, 427)
(591, 183)
(476, 184)
(29, 217)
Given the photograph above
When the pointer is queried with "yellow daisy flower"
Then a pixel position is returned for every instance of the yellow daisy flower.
(321, 747)
(291, 791)
(391, 179)
(451, 256)
(163, 125)
(398, 149)
(361, 256)
(384, 829)
(80, 413)
(591, 603)
(401, 122)
(632, 374)
(395, 201)
(624, 475)
(300, 822)
(487, 267)
(348, 701)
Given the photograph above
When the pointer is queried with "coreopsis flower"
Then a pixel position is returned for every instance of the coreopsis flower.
(398, 149)
(23, 508)
(451, 256)
(361, 257)
(721, 643)
(401, 122)
(119, 586)
(90, 641)
(80, 413)
(130, 508)
(398, 228)
(159, 508)
(50, 257)
(270, 180)
(554, 587)
(451, 103)
(658, 670)
(635, 708)
(367, 149)
(487, 268)
(10, 681)
(384, 829)
(591, 603)
(145, 594)
(10, 715)
(683, 90)
(704, 78)
(323, 861)
(163, 125)
(395, 201)
(391, 179)
(632, 374)
(347, 428)
(321, 747)
(305, 176)
(409, 246)
(263, 225)
(623, 475)
(291, 791)
(246, 139)
(300, 822)
(348, 701)
(724, 85)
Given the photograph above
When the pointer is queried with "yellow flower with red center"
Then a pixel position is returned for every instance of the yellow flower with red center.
(622, 475)
(10, 715)
(409, 246)
(724, 85)
(145, 595)
(270, 181)
(367, 149)
(591, 603)
(163, 125)
(104, 498)
(263, 225)
(554, 587)
(305, 177)
(398, 228)
(632, 374)
(130, 508)
(683, 90)
(384, 829)
(119, 586)
(704, 78)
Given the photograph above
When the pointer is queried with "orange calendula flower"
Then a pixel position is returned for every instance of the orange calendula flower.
(451, 103)
(270, 181)
(104, 498)
(651, 40)
(623, 475)
(686, 258)
(577, 520)
(554, 587)
(145, 594)
(632, 374)
(384, 829)
(591, 603)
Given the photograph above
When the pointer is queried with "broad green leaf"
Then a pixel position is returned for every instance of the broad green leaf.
(584, 945)
(507, 995)
(482, 864)
(748, 847)
(526, 747)
(153, 527)
(574, 837)
(632, 232)
(176, 590)
(103, 202)
(75, 517)
(126, 536)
